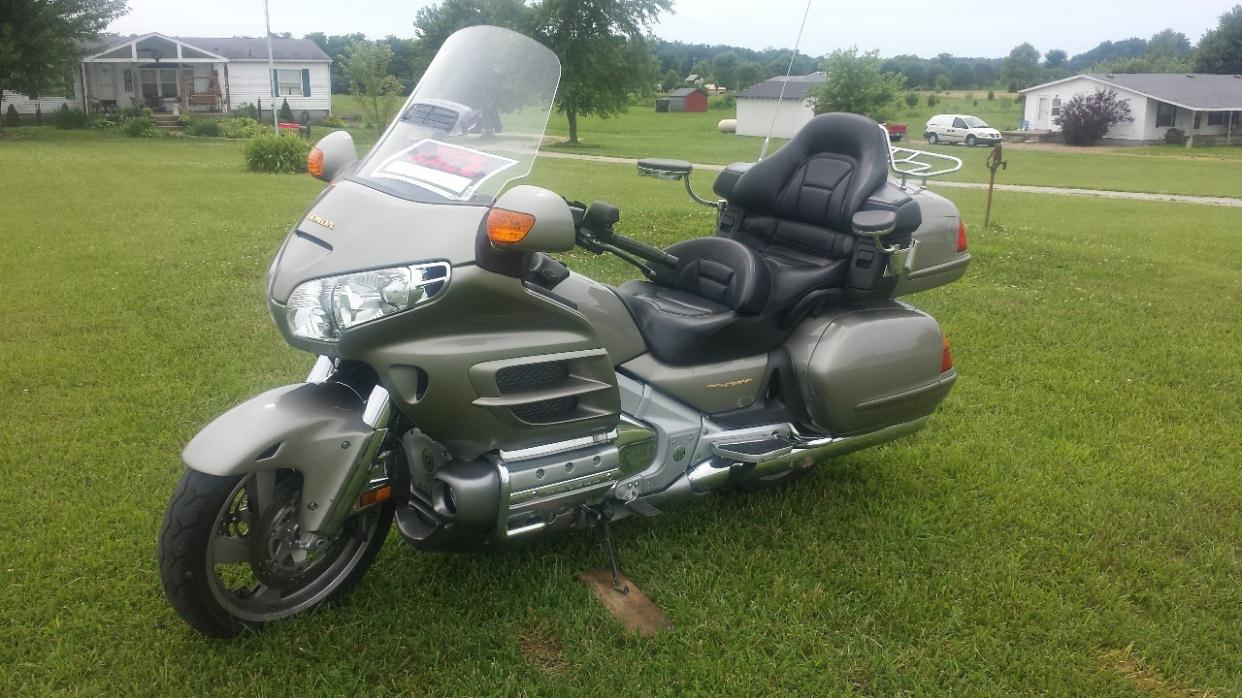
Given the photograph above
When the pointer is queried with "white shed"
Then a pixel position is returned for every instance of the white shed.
(1208, 108)
(780, 103)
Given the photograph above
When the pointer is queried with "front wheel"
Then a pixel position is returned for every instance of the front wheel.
(932, 139)
(970, 140)
(230, 558)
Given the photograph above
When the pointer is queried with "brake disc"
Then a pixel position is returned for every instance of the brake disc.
(276, 557)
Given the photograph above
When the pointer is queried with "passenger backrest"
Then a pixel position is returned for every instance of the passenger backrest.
(804, 195)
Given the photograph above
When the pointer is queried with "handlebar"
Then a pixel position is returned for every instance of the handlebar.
(595, 232)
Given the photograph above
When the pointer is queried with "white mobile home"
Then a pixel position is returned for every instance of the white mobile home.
(1207, 108)
(201, 74)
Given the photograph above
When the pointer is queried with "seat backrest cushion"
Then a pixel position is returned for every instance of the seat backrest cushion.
(817, 181)
(721, 270)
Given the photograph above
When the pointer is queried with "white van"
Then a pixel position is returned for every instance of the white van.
(960, 128)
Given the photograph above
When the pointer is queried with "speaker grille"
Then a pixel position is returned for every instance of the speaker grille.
(516, 379)
(545, 411)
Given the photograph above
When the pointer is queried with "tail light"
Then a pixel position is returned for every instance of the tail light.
(946, 358)
(961, 236)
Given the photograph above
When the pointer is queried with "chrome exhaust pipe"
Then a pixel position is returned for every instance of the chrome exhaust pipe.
(715, 472)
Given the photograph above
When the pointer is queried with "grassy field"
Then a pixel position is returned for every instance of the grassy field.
(1069, 524)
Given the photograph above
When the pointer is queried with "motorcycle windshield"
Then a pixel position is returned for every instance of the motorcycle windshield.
(474, 122)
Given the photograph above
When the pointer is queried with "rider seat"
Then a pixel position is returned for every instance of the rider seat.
(729, 295)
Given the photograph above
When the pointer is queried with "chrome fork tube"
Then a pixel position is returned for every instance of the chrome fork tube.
(376, 415)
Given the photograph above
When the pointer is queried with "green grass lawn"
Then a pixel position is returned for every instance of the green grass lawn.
(1070, 523)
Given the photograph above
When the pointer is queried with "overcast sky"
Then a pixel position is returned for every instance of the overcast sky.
(923, 27)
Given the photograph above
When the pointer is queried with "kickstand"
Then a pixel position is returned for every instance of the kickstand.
(602, 517)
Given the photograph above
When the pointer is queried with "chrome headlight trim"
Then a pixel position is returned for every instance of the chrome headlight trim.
(323, 308)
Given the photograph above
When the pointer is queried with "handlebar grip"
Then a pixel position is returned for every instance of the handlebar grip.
(600, 217)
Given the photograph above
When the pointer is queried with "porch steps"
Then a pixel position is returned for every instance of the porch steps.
(167, 122)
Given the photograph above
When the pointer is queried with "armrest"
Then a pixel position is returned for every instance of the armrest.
(874, 224)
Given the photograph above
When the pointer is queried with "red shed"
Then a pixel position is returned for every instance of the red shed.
(685, 99)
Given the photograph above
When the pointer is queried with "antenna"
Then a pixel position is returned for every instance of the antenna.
(763, 152)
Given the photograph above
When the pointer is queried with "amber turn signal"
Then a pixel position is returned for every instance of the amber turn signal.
(314, 162)
(946, 359)
(375, 496)
(506, 227)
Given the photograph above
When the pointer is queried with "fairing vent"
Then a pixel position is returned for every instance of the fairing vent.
(533, 392)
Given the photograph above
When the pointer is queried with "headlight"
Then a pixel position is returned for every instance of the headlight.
(323, 308)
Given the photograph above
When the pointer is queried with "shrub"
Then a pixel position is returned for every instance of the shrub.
(67, 118)
(242, 127)
(991, 95)
(932, 100)
(272, 153)
(131, 112)
(11, 118)
(101, 122)
(333, 121)
(1175, 136)
(139, 127)
(1013, 87)
(912, 99)
(206, 128)
(286, 114)
(1085, 119)
(246, 111)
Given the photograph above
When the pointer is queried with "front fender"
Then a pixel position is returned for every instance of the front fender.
(314, 428)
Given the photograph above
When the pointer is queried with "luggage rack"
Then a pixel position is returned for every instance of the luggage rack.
(909, 163)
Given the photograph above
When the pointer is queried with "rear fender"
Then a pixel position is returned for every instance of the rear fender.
(317, 429)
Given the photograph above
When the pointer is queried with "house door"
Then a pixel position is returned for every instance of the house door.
(105, 82)
(1041, 115)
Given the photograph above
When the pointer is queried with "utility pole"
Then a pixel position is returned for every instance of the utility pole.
(271, 65)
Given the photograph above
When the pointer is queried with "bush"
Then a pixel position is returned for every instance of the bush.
(246, 111)
(1013, 87)
(1085, 119)
(101, 122)
(991, 95)
(242, 127)
(11, 118)
(139, 127)
(912, 99)
(932, 100)
(1175, 136)
(206, 128)
(333, 121)
(272, 153)
(68, 118)
(286, 114)
(131, 112)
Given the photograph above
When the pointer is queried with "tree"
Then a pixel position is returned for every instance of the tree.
(367, 64)
(671, 81)
(1055, 58)
(724, 69)
(1168, 43)
(435, 23)
(962, 76)
(1085, 119)
(1021, 66)
(856, 84)
(39, 40)
(1220, 50)
(336, 46)
(604, 51)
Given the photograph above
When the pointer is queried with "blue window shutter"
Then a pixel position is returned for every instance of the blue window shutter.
(306, 82)
(275, 84)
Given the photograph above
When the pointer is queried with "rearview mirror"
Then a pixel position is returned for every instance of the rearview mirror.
(531, 219)
(664, 169)
(333, 153)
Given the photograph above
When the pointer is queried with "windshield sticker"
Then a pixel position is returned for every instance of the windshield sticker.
(452, 171)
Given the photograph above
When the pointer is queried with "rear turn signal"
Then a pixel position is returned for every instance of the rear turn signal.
(314, 162)
(946, 358)
(961, 236)
(506, 227)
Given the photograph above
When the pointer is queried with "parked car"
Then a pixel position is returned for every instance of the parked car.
(960, 128)
(896, 131)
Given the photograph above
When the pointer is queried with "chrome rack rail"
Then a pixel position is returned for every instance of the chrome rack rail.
(909, 163)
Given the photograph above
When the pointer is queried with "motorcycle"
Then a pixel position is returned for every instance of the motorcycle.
(478, 392)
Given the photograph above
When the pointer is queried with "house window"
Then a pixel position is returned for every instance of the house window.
(150, 84)
(289, 83)
(1056, 106)
(128, 76)
(1166, 115)
(168, 83)
(1217, 118)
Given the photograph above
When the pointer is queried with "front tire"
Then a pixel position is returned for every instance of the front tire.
(970, 140)
(932, 139)
(213, 565)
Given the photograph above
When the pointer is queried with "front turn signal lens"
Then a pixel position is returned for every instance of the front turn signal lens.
(961, 236)
(314, 162)
(946, 358)
(505, 227)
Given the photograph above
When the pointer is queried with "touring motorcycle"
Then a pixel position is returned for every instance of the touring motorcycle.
(471, 387)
